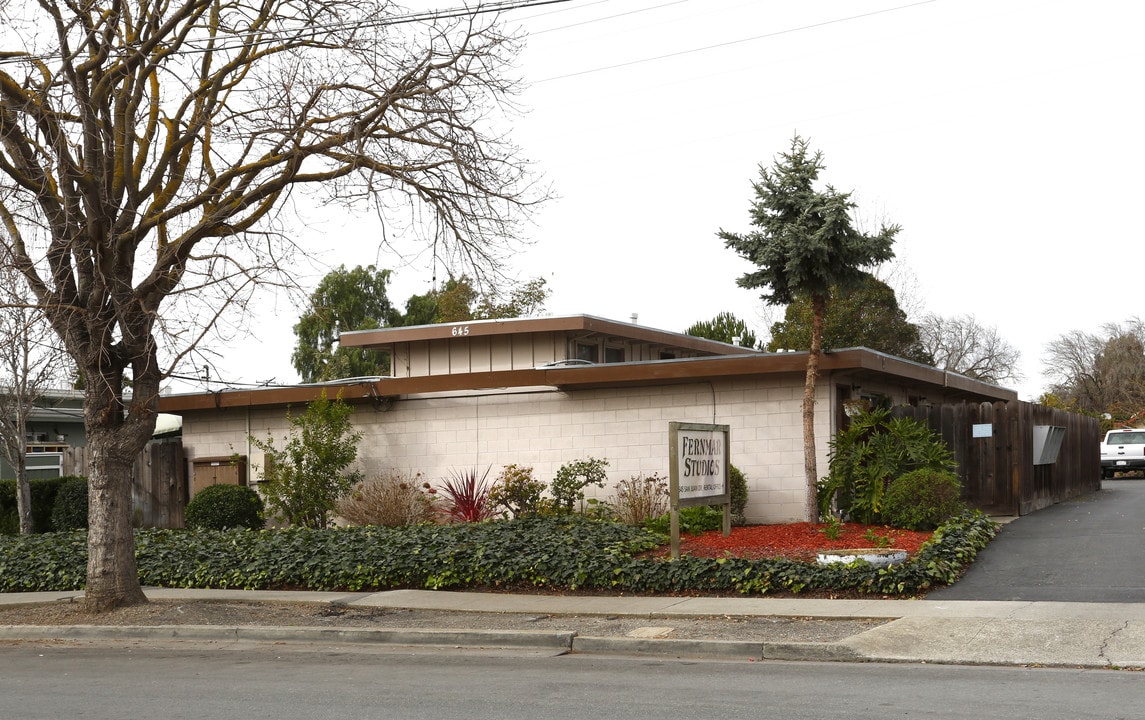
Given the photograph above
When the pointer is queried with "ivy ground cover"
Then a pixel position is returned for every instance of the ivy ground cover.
(554, 554)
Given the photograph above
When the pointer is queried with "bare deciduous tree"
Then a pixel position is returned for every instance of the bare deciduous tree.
(156, 144)
(1100, 372)
(963, 345)
(31, 362)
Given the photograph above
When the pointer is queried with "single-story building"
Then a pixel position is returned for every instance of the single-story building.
(545, 392)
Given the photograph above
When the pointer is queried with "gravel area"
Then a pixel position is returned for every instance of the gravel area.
(210, 612)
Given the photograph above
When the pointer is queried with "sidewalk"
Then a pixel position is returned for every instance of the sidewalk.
(1098, 635)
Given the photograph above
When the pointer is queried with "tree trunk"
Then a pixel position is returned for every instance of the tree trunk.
(112, 577)
(23, 497)
(818, 304)
(115, 438)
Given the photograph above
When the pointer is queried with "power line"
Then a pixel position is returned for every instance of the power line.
(606, 17)
(729, 43)
(315, 30)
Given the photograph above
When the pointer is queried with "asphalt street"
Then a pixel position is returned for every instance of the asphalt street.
(1085, 550)
(278, 682)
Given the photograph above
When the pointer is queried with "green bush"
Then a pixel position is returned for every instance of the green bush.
(572, 478)
(70, 509)
(307, 475)
(43, 499)
(219, 507)
(865, 457)
(517, 492)
(738, 482)
(694, 520)
(922, 499)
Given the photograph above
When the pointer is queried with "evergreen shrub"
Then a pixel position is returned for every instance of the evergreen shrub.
(868, 455)
(69, 512)
(923, 499)
(738, 482)
(43, 498)
(517, 492)
(220, 507)
(694, 520)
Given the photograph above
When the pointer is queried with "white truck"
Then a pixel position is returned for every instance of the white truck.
(1123, 451)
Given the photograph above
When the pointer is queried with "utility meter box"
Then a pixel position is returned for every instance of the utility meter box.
(1047, 443)
(228, 470)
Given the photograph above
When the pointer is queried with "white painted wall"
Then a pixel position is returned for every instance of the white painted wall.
(548, 428)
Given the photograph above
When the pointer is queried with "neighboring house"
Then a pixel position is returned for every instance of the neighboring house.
(55, 425)
(545, 392)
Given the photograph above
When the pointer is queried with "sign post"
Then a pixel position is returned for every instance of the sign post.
(698, 472)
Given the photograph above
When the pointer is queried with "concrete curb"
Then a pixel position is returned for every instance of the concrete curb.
(854, 649)
(662, 647)
(562, 640)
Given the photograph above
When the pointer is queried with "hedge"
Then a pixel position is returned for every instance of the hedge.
(43, 499)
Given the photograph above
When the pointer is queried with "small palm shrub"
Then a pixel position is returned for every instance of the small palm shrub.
(392, 499)
(466, 496)
(923, 499)
(517, 492)
(640, 498)
(69, 512)
(220, 507)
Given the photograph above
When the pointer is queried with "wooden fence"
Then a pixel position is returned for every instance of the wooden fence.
(158, 483)
(994, 444)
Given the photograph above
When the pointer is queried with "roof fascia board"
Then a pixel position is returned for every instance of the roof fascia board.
(383, 338)
(593, 376)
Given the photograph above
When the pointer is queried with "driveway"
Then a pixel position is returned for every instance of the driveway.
(1090, 549)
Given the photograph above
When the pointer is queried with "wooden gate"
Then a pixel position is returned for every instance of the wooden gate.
(158, 482)
(994, 445)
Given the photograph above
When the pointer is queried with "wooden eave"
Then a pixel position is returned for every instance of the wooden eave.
(857, 361)
(385, 338)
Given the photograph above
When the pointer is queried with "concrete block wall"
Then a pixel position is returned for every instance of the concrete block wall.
(436, 435)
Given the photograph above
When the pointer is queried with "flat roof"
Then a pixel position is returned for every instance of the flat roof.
(383, 338)
(860, 362)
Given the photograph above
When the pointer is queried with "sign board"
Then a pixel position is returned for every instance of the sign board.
(697, 471)
(982, 430)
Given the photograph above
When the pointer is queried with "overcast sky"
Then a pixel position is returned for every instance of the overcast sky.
(1004, 136)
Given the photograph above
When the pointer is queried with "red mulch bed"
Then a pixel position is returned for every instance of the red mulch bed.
(798, 541)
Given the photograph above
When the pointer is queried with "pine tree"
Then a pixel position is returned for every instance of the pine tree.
(805, 245)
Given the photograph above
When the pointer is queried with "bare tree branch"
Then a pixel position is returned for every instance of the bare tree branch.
(963, 345)
(155, 144)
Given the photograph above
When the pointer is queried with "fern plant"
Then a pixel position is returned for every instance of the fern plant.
(874, 450)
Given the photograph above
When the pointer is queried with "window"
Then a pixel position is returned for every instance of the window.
(613, 354)
(585, 351)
